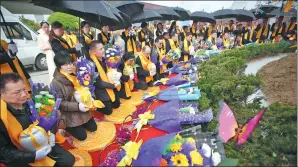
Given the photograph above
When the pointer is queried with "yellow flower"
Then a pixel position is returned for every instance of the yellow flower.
(190, 140)
(179, 160)
(178, 137)
(176, 147)
(196, 158)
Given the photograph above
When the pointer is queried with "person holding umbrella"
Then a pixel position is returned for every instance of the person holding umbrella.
(291, 31)
(262, 31)
(144, 36)
(59, 44)
(194, 29)
(278, 29)
(105, 37)
(104, 90)
(129, 37)
(186, 48)
(159, 30)
(248, 33)
(230, 27)
(209, 30)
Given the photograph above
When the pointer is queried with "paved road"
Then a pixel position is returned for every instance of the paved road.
(39, 76)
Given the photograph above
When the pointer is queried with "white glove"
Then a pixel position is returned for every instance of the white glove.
(147, 40)
(111, 40)
(52, 140)
(12, 50)
(40, 154)
(117, 84)
(83, 107)
(78, 47)
(131, 77)
(146, 36)
(152, 73)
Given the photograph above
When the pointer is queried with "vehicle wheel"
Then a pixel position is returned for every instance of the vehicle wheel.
(41, 62)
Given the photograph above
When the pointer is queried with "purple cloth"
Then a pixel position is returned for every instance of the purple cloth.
(177, 80)
(151, 151)
(46, 122)
(154, 58)
(201, 117)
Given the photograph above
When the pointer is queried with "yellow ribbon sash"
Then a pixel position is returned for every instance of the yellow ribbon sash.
(161, 54)
(87, 38)
(66, 46)
(162, 80)
(104, 38)
(103, 76)
(132, 152)
(275, 29)
(186, 49)
(84, 92)
(131, 44)
(14, 131)
(129, 85)
(145, 63)
(250, 33)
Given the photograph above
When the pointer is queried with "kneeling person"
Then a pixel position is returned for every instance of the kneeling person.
(15, 110)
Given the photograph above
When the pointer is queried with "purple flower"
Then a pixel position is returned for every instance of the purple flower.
(187, 147)
(123, 135)
(112, 159)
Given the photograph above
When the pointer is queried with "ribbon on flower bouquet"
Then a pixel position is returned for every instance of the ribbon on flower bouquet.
(132, 152)
(144, 118)
(84, 91)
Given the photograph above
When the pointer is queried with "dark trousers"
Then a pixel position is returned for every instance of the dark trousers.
(142, 85)
(61, 156)
(121, 93)
(79, 132)
(109, 105)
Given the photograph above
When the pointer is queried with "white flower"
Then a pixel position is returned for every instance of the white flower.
(107, 55)
(207, 150)
(112, 54)
(38, 96)
(50, 96)
(195, 68)
(108, 51)
(43, 92)
(215, 158)
(38, 105)
(82, 72)
(192, 111)
(83, 68)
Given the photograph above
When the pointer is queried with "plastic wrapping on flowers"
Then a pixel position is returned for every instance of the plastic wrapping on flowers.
(174, 54)
(86, 73)
(113, 56)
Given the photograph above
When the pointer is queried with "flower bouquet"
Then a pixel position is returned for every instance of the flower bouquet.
(177, 80)
(86, 73)
(175, 150)
(44, 107)
(174, 54)
(113, 59)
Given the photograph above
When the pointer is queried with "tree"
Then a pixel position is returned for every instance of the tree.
(30, 23)
(69, 22)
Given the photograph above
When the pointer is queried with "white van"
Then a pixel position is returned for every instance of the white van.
(25, 39)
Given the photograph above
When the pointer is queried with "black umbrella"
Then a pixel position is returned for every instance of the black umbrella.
(184, 14)
(224, 13)
(268, 8)
(202, 17)
(130, 7)
(244, 15)
(122, 17)
(168, 14)
(277, 12)
(144, 16)
(95, 11)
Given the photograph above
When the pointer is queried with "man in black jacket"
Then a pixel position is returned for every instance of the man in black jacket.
(104, 90)
(14, 95)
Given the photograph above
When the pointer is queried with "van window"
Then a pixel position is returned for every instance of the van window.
(16, 30)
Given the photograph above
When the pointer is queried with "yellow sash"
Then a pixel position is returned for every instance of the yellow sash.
(226, 43)
(145, 62)
(68, 40)
(172, 44)
(143, 36)
(129, 85)
(103, 76)
(131, 44)
(193, 29)
(14, 132)
(210, 30)
(291, 26)
(186, 49)
(250, 33)
(104, 38)
(66, 46)
(264, 33)
(88, 38)
(161, 53)
(275, 29)
(239, 42)
(288, 5)
(213, 41)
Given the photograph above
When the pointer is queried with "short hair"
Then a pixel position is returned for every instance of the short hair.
(56, 24)
(157, 39)
(165, 33)
(195, 21)
(231, 21)
(144, 24)
(188, 33)
(83, 23)
(126, 27)
(128, 56)
(184, 27)
(145, 47)
(61, 58)
(93, 44)
(293, 18)
(44, 22)
(8, 78)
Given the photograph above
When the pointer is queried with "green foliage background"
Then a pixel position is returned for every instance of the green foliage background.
(30, 23)
(69, 22)
(274, 142)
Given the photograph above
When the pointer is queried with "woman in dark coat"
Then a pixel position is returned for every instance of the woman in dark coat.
(76, 115)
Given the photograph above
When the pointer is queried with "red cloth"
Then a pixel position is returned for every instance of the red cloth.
(147, 133)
